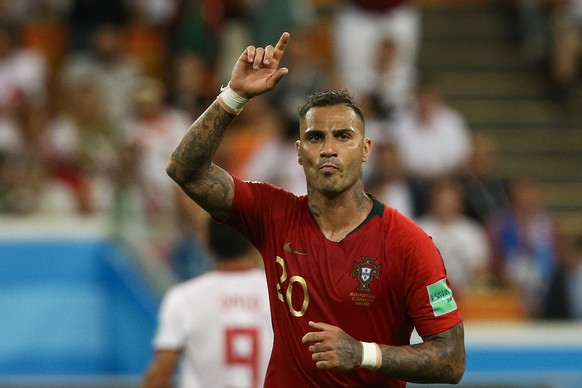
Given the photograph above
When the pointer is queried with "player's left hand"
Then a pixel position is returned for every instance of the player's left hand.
(332, 348)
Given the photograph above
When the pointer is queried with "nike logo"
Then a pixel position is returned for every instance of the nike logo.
(287, 248)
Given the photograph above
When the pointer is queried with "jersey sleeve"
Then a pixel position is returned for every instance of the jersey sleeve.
(254, 204)
(430, 301)
(172, 325)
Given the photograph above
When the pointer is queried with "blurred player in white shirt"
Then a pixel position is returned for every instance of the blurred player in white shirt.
(217, 324)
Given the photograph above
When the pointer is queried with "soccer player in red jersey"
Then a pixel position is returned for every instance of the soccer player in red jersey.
(348, 277)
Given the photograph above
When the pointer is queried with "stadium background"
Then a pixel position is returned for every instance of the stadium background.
(79, 296)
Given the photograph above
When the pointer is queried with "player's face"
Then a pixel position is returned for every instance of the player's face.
(332, 148)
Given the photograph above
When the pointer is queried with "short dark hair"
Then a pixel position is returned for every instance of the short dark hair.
(330, 98)
(226, 242)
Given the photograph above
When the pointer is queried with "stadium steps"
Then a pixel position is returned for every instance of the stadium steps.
(470, 49)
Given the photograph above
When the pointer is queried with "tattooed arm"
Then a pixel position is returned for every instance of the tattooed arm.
(255, 72)
(439, 359)
(191, 162)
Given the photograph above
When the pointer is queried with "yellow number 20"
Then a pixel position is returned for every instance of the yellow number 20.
(286, 297)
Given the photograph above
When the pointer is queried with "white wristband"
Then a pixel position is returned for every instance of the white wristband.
(230, 101)
(371, 356)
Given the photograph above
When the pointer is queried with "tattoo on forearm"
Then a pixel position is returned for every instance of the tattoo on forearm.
(191, 162)
(194, 153)
(440, 358)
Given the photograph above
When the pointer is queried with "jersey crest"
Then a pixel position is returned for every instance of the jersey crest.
(365, 271)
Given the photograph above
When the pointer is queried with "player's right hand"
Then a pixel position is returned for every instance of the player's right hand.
(257, 69)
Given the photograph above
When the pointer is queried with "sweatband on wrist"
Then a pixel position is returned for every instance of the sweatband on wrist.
(371, 356)
(230, 101)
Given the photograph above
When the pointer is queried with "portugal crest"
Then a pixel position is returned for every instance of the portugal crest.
(366, 271)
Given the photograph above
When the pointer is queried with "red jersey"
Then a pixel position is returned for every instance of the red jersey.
(377, 284)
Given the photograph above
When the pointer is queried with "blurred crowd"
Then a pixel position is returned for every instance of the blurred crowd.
(95, 95)
(550, 33)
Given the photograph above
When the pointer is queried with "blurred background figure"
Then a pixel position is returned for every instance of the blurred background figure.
(23, 77)
(269, 17)
(22, 168)
(523, 240)
(566, 47)
(23, 96)
(274, 160)
(254, 129)
(533, 26)
(389, 183)
(462, 241)
(83, 153)
(484, 188)
(432, 138)
(189, 79)
(107, 62)
(218, 325)
(564, 298)
(308, 77)
(195, 27)
(151, 133)
(384, 36)
(84, 17)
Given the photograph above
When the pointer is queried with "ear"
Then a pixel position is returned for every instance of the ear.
(367, 149)
(297, 145)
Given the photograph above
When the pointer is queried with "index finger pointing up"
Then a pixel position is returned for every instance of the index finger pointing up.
(282, 43)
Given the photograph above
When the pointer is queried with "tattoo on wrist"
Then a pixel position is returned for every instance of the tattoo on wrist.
(202, 139)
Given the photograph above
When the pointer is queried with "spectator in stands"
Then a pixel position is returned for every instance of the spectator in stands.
(23, 11)
(432, 138)
(108, 63)
(484, 189)
(194, 28)
(190, 77)
(217, 324)
(269, 17)
(523, 240)
(307, 78)
(275, 161)
(255, 127)
(566, 51)
(389, 183)
(462, 242)
(22, 174)
(211, 30)
(151, 134)
(84, 17)
(22, 73)
(384, 36)
(532, 26)
(564, 298)
(82, 150)
(155, 12)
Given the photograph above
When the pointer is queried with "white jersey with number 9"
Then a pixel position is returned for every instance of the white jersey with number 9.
(222, 323)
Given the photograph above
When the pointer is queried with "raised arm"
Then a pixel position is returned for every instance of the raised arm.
(255, 72)
(438, 359)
